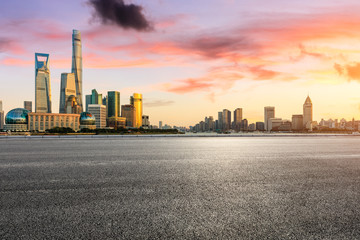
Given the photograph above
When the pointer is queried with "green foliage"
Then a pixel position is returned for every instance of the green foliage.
(60, 130)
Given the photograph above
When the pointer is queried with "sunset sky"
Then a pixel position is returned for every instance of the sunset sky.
(191, 59)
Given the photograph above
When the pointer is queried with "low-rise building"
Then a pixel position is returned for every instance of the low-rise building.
(43, 121)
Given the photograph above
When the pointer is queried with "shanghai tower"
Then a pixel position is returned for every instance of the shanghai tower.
(76, 67)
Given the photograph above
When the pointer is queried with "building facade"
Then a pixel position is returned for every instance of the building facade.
(269, 112)
(42, 83)
(237, 118)
(28, 105)
(116, 122)
(76, 66)
(297, 122)
(113, 104)
(129, 112)
(307, 113)
(99, 112)
(145, 121)
(2, 117)
(226, 120)
(43, 121)
(67, 89)
(136, 101)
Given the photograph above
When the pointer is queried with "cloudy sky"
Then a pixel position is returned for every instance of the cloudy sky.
(190, 60)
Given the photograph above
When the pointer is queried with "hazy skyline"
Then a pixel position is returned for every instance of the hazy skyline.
(191, 60)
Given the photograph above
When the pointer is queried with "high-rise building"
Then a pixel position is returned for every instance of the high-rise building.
(269, 112)
(129, 112)
(220, 121)
(113, 104)
(95, 97)
(297, 122)
(136, 101)
(42, 83)
(28, 105)
(260, 126)
(226, 116)
(237, 118)
(160, 124)
(307, 112)
(2, 116)
(99, 112)
(67, 89)
(145, 121)
(87, 102)
(76, 66)
(244, 125)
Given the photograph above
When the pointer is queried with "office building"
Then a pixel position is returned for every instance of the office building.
(226, 120)
(96, 98)
(307, 113)
(145, 121)
(76, 66)
(129, 112)
(273, 124)
(244, 125)
(160, 124)
(2, 117)
(136, 101)
(42, 83)
(252, 127)
(269, 112)
(113, 104)
(67, 89)
(116, 122)
(99, 112)
(220, 121)
(260, 126)
(87, 101)
(237, 118)
(41, 122)
(28, 105)
(297, 122)
(17, 120)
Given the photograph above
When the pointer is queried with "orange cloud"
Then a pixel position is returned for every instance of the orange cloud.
(351, 71)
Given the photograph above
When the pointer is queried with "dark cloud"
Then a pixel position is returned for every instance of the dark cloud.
(128, 16)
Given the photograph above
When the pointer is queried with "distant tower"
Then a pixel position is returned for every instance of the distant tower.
(42, 83)
(2, 116)
(269, 112)
(136, 101)
(307, 111)
(67, 89)
(76, 67)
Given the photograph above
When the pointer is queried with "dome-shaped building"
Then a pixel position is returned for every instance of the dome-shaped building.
(87, 120)
(17, 120)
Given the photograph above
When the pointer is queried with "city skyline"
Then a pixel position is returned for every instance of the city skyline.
(183, 69)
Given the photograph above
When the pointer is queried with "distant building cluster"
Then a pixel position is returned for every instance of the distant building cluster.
(99, 112)
(299, 122)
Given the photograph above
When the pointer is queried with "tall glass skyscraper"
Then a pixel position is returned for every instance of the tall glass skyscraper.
(42, 83)
(76, 67)
(113, 104)
(136, 101)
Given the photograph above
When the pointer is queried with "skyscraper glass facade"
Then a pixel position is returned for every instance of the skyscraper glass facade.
(113, 106)
(42, 83)
(76, 67)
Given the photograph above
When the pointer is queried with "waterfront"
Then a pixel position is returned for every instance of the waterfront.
(182, 188)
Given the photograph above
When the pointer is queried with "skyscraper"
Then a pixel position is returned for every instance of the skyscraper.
(76, 67)
(28, 105)
(136, 101)
(237, 118)
(220, 121)
(99, 112)
(307, 112)
(113, 108)
(129, 112)
(42, 83)
(226, 116)
(67, 89)
(269, 112)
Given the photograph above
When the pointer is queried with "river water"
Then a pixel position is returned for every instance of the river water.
(180, 188)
